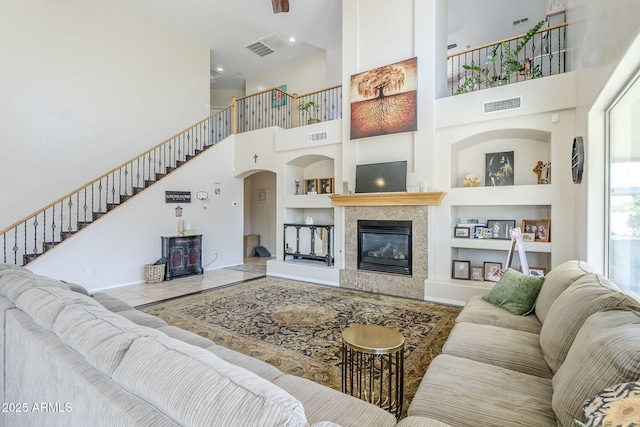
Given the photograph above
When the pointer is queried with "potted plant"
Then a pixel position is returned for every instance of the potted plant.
(511, 65)
(311, 109)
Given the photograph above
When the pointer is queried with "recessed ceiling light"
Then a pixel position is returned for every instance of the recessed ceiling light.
(292, 39)
(220, 69)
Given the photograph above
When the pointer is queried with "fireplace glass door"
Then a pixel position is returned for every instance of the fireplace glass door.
(384, 246)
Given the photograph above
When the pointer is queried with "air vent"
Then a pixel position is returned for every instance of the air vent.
(267, 45)
(501, 105)
(318, 136)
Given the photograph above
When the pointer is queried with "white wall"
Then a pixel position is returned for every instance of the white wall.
(85, 86)
(600, 34)
(303, 76)
(113, 251)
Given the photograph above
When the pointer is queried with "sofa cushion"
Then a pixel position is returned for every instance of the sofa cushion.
(111, 303)
(421, 422)
(556, 281)
(345, 410)
(516, 350)
(45, 304)
(466, 393)
(186, 336)
(258, 367)
(605, 352)
(477, 310)
(588, 295)
(515, 292)
(197, 388)
(14, 282)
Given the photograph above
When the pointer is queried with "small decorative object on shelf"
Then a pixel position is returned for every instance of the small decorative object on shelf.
(311, 186)
(462, 232)
(501, 229)
(477, 273)
(297, 186)
(471, 180)
(325, 185)
(461, 270)
(539, 227)
(543, 170)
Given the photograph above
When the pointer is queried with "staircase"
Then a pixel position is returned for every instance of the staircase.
(42, 231)
(45, 229)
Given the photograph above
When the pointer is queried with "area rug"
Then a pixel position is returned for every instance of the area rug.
(297, 326)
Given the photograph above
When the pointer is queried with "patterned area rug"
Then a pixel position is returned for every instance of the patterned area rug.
(297, 326)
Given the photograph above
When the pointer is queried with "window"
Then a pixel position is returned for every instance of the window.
(624, 191)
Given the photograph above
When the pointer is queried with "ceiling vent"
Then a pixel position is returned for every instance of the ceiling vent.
(267, 45)
(502, 105)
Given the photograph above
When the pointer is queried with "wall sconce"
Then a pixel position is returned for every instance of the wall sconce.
(178, 211)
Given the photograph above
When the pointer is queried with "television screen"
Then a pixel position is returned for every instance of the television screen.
(381, 177)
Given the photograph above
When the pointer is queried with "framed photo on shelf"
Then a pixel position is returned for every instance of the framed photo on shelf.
(310, 186)
(539, 227)
(501, 229)
(498, 169)
(491, 269)
(464, 232)
(477, 273)
(461, 270)
(325, 186)
(480, 232)
(537, 271)
(528, 237)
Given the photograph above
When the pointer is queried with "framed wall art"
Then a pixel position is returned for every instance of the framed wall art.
(310, 186)
(325, 186)
(498, 169)
(477, 273)
(464, 232)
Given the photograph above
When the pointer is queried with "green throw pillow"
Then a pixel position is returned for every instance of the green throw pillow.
(515, 292)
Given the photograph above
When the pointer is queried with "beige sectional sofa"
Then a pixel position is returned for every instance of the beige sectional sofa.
(499, 369)
(74, 360)
(70, 359)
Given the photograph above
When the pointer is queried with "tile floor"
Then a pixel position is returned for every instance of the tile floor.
(146, 293)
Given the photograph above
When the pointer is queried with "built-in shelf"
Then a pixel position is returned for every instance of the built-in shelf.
(499, 245)
(388, 199)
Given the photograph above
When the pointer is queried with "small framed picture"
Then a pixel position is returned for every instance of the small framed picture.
(528, 237)
(539, 227)
(477, 273)
(461, 270)
(479, 231)
(498, 169)
(464, 232)
(325, 186)
(537, 271)
(310, 186)
(491, 270)
(500, 229)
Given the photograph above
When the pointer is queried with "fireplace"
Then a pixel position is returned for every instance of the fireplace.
(384, 246)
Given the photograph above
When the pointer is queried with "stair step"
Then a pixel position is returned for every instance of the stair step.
(170, 169)
(112, 206)
(124, 198)
(159, 176)
(66, 234)
(190, 156)
(137, 190)
(27, 258)
(180, 163)
(98, 215)
(148, 183)
(49, 245)
(83, 224)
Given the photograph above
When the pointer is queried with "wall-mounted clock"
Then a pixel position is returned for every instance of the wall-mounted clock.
(577, 159)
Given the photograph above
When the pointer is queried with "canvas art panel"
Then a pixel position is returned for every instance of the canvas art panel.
(384, 100)
(498, 170)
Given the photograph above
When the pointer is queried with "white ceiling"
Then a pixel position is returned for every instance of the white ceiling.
(226, 27)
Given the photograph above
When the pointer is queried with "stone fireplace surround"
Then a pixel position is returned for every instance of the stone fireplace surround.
(398, 206)
(384, 283)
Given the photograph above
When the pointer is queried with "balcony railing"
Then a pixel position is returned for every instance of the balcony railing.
(490, 65)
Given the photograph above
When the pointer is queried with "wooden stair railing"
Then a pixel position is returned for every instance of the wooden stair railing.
(43, 230)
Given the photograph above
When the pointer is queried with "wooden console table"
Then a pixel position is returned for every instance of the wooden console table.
(183, 255)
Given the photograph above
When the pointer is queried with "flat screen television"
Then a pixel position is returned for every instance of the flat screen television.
(381, 177)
